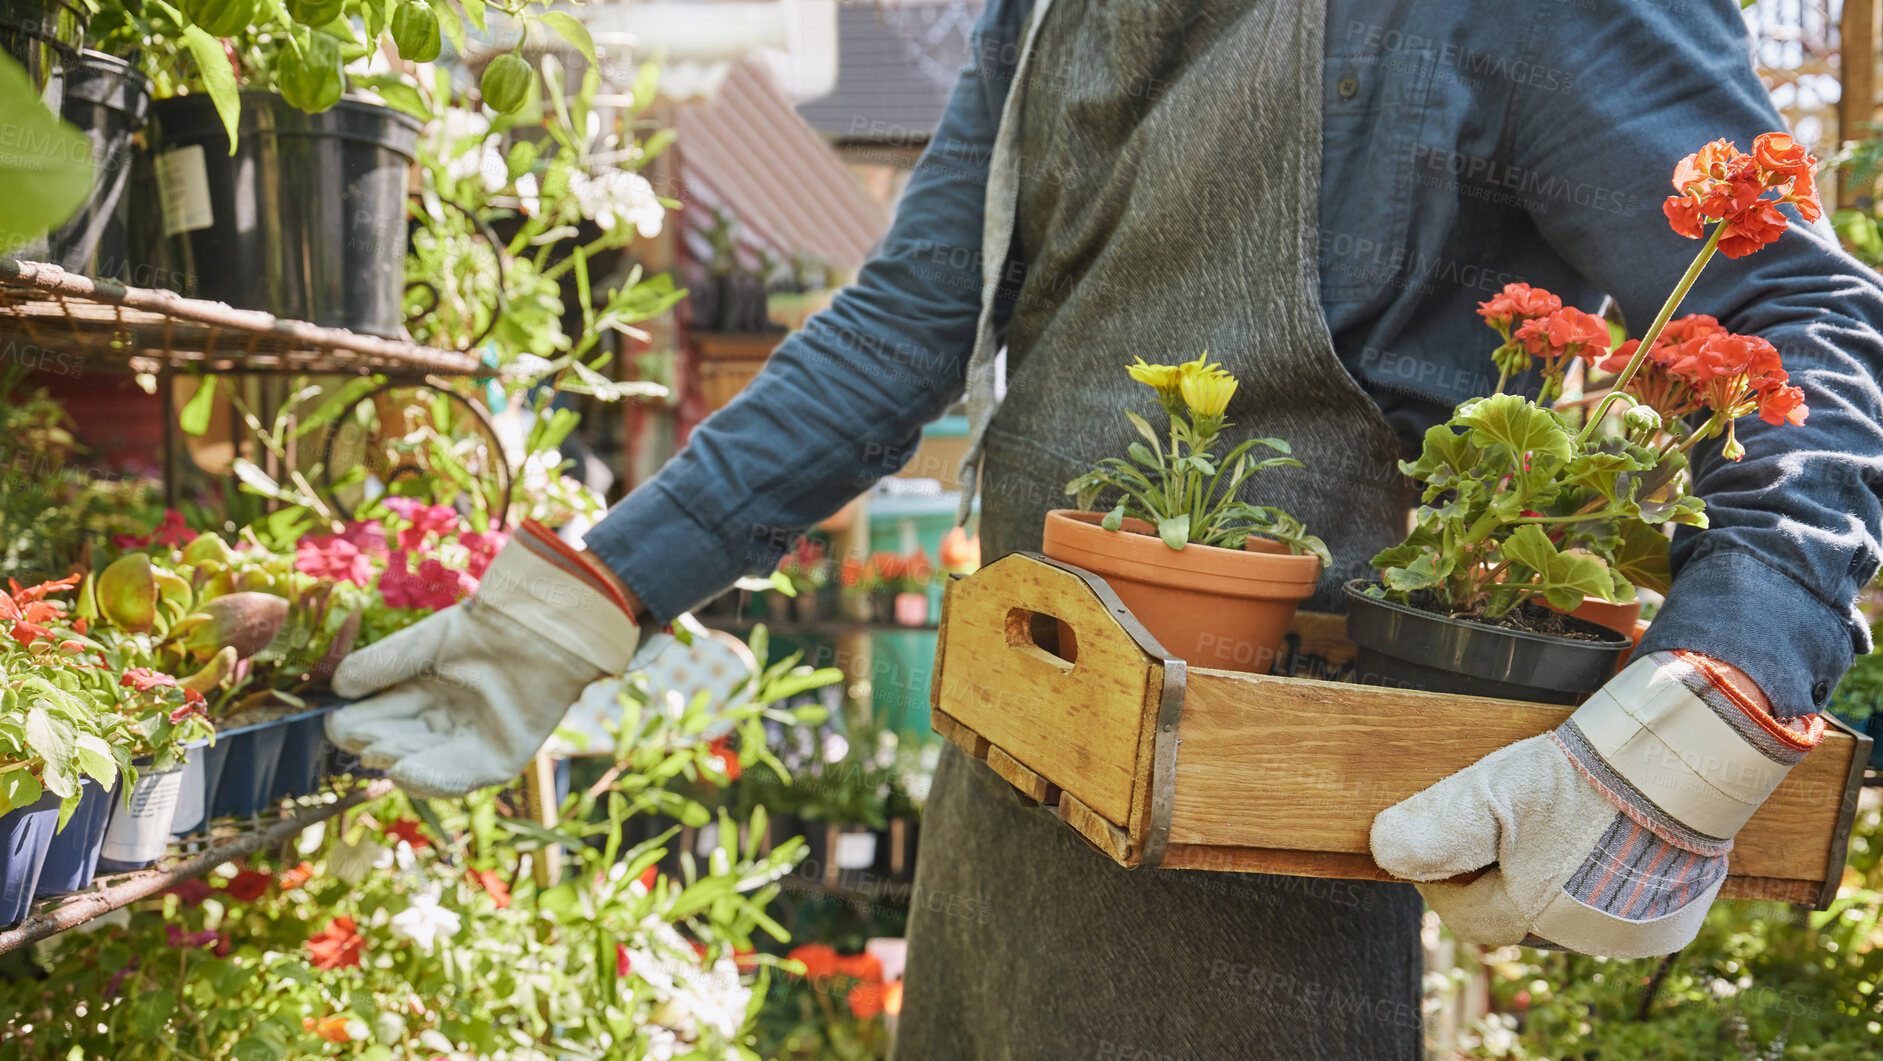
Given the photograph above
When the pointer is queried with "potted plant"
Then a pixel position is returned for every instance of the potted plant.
(860, 578)
(1215, 579)
(913, 575)
(809, 573)
(106, 98)
(1522, 507)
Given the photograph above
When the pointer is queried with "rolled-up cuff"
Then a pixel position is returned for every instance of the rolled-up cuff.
(1733, 607)
(667, 557)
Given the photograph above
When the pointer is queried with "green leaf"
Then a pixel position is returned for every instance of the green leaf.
(258, 481)
(1142, 454)
(1426, 568)
(474, 12)
(1564, 578)
(646, 84)
(570, 29)
(194, 419)
(452, 25)
(1641, 557)
(1447, 457)
(404, 98)
(338, 402)
(212, 65)
(46, 171)
(657, 141)
(256, 1048)
(1114, 519)
(1517, 424)
(18, 788)
(1175, 530)
(94, 757)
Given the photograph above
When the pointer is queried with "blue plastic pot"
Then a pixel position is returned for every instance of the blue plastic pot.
(305, 754)
(25, 833)
(239, 769)
(72, 857)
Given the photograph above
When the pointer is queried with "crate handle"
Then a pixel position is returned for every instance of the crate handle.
(1043, 637)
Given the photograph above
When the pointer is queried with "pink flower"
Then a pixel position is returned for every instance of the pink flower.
(432, 587)
(483, 547)
(332, 556)
(421, 520)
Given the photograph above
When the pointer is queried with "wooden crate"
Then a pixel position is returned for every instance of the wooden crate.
(1159, 764)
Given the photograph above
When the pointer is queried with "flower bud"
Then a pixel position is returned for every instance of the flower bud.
(1641, 418)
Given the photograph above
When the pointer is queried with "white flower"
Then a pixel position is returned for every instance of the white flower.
(351, 862)
(619, 196)
(424, 922)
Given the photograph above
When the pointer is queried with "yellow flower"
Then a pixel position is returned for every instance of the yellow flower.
(1202, 366)
(1207, 393)
(1159, 377)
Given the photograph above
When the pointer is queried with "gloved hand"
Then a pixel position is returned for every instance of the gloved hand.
(468, 695)
(1610, 834)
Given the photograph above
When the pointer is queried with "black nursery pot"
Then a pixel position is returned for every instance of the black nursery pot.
(306, 220)
(1401, 647)
(107, 99)
(43, 36)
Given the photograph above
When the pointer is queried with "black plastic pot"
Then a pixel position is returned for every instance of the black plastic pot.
(43, 36)
(306, 220)
(1402, 647)
(107, 99)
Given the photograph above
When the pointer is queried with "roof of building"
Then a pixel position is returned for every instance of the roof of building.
(747, 151)
(896, 65)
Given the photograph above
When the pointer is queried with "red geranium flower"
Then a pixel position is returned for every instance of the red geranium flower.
(860, 966)
(820, 959)
(725, 757)
(623, 963)
(1718, 183)
(338, 946)
(297, 876)
(1516, 304)
(248, 885)
(866, 1000)
(408, 830)
(493, 885)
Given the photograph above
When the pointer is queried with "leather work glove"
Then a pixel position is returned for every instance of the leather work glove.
(467, 696)
(1610, 834)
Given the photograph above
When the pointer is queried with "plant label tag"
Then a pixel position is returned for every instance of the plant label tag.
(855, 851)
(183, 185)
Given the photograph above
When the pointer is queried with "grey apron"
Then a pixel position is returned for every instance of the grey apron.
(1157, 169)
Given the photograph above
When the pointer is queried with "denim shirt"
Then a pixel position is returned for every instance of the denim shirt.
(1465, 144)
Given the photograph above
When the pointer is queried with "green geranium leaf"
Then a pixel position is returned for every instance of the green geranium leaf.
(1564, 578)
(1518, 424)
(46, 174)
(1641, 556)
(1448, 455)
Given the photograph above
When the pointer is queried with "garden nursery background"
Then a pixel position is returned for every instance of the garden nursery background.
(305, 305)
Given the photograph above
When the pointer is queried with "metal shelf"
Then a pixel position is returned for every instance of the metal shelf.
(139, 329)
(110, 893)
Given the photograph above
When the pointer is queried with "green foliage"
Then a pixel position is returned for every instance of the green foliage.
(46, 173)
(375, 948)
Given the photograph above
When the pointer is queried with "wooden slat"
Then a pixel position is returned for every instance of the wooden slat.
(958, 735)
(1108, 838)
(1078, 724)
(1300, 765)
(1030, 784)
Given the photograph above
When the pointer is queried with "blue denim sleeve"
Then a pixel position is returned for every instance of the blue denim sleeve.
(1770, 585)
(841, 403)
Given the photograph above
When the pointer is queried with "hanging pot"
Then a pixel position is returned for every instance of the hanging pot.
(1409, 648)
(72, 856)
(1211, 607)
(306, 220)
(106, 98)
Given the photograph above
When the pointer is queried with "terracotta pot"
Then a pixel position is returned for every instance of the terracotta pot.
(1620, 618)
(1210, 607)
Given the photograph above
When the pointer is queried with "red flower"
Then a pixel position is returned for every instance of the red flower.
(1783, 404)
(408, 830)
(332, 1028)
(648, 876)
(193, 707)
(623, 963)
(725, 757)
(1718, 183)
(1566, 332)
(297, 876)
(483, 548)
(1516, 304)
(248, 885)
(143, 679)
(861, 967)
(338, 946)
(332, 556)
(26, 633)
(866, 1000)
(1752, 228)
(493, 885)
(892, 998)
(820, 959)
(192, 891)
(182, 940)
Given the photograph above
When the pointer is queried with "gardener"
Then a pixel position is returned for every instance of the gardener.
(1319, 197)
